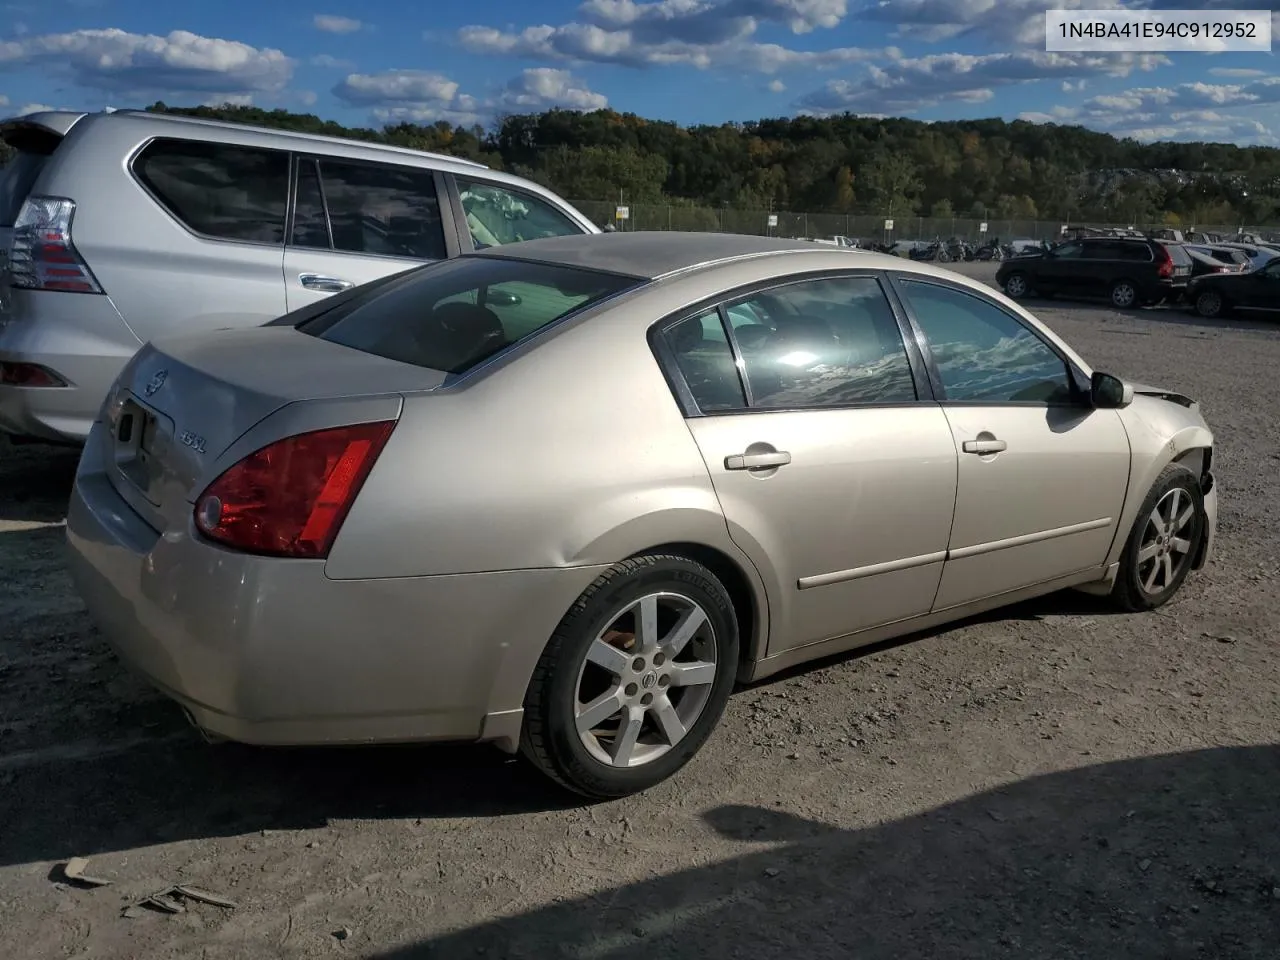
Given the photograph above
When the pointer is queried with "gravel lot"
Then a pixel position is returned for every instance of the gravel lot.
(1050, 781)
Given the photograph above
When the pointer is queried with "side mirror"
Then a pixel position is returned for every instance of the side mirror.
(1107, 392)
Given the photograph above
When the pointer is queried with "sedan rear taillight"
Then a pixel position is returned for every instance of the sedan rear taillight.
(41, 254)
(289, 498)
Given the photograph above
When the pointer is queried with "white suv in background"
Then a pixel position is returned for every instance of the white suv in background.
(119, 227)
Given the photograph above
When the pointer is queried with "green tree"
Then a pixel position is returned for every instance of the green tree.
(894, 183)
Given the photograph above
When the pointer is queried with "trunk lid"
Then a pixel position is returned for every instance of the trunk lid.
(182, 402)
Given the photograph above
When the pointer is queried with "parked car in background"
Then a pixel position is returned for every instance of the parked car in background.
(124, 226)
(1203, 263)
(1227, 256)
(1129, 271)
(1256, 291)
(562, 496)
(1259, 254)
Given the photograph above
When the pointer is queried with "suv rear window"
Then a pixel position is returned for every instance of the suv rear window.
(32, 146)
(1177, 253)
(452, 315)
(217, 189)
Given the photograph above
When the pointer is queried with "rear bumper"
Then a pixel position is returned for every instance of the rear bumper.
(86, 344)
(270, 651)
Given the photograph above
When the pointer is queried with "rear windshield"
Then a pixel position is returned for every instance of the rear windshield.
(1177, 253)
(31, 148)
(450, 316)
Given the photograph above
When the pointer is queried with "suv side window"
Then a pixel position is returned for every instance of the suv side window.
(823, 343)
(983, 354)
(379, 209)
(219, 190)
(498, 215)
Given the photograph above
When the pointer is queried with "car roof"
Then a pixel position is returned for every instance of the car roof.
(653, 254)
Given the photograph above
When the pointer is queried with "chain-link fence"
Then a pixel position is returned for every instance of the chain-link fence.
(865, 227)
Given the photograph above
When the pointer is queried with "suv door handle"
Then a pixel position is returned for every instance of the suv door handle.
(754, 461)
(315, 281)
(984, 446)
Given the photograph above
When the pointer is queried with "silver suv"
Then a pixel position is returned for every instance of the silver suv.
(118, 227)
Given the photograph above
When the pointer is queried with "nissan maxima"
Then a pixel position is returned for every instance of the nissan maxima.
(563, 496)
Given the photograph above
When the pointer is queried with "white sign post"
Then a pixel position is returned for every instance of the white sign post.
(773, 219)
(622, 213)
(982, 227)
(888, 224)
(1063, 231)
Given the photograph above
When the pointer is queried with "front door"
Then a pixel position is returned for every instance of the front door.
(1259, 290)
(836, 478)
(1059, 269)
(1042, 475)
(355, 222)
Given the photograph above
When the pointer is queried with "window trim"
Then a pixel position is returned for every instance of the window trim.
(1078, 382)
(131, 164)
(448, 224)
(720, 303)
(466, 241)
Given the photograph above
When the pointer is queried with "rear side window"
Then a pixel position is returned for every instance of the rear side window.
(1177, 253)
(219, 190)
(454, 314)
(498, 215)
(32, 147)
(379, 209)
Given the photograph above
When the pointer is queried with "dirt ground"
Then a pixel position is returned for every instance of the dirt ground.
(1050, 781)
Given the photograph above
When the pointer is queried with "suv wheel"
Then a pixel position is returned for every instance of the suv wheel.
(1209, 304)
(1124, 294)
(1015, 285)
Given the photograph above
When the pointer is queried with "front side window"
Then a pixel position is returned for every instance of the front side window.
(379, 209)
(497, 215)
(984, 355)
(219, 190)
(822, 343)
(453, 315)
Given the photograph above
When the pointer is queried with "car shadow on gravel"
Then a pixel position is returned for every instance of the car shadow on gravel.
(1168, 856)
(35, 482)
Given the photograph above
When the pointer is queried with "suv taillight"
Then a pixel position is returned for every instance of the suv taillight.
(1165, 261)
(41, 254)
(289, 498)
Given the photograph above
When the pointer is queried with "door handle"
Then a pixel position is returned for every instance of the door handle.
(315, 281)
(754, 461)
(984, 446)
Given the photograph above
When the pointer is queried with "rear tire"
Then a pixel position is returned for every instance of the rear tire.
(634, 679)
(1124, 295)
(1163, 542)
(1210, 305)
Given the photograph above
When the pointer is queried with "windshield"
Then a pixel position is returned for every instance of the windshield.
(451, 316)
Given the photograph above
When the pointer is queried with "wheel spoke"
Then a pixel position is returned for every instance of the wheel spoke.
(688, 625)
(1147, 552)
(669, 721)
(1182, 546)
(609, 657)
(1149, 584)
(599, 710)
(1157, 521)
(1185, 518)
(1168, 570)
(692, 674)
(624, 745)
(647, 624)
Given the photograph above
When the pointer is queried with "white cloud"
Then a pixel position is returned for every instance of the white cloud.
(330, 23)
(27, 108)
(1017, 22)
(776, 86)
(414, 96)
(1236, 72)
(906, 85)
(328, 62)
(696, 33)
(140, 64)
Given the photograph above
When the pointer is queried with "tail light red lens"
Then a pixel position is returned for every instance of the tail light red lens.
(289, 498)
(29, 375)
(41, 254)
(1165, 269)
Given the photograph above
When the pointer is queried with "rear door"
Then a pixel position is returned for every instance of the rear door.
(835, 469)
(356, 221)
(1058, 271)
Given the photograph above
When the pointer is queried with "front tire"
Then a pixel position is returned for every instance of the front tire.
(1162, 544)
(1210, 304)
(634, 679)
(1016, 286)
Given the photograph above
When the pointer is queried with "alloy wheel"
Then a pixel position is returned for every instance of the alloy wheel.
(645, 680)
(1166, 546)
(1123, 294)
(1016, 286)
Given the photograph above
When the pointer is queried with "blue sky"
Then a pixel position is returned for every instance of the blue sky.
(691, 61)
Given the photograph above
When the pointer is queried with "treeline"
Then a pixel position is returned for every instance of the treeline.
(847, 164)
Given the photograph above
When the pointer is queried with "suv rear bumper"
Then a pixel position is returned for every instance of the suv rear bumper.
(86, 343)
